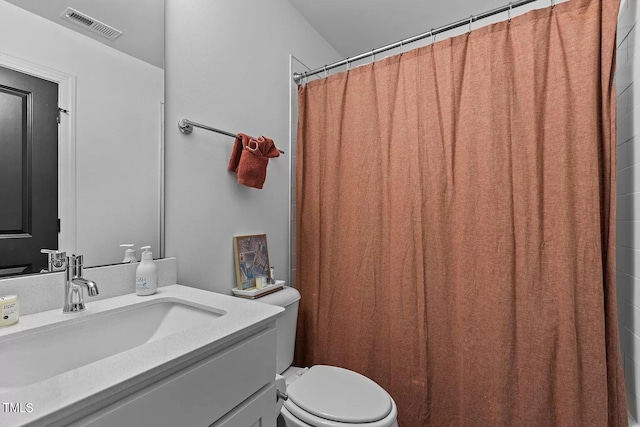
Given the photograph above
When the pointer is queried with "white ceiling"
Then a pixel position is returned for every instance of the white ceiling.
(350, 26)
(357, 26)
(141, 21)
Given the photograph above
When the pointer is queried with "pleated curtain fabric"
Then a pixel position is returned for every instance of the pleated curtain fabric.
(455, 210)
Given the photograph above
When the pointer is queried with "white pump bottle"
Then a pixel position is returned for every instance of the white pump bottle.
(146, 274)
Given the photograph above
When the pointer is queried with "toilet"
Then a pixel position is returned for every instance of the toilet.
(322, 396)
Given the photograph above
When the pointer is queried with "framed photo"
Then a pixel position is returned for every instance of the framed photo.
(252, 259)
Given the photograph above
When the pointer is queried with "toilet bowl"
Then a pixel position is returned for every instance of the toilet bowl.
(328, 396)
(323, 396)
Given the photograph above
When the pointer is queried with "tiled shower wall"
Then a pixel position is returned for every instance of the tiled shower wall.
(628, 196)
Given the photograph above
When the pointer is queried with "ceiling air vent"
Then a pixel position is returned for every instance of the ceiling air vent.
(90, 24)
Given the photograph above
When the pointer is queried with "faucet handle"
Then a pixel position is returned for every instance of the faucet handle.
(56, 260)
(74, 260)
(79, 261)
(74, 263)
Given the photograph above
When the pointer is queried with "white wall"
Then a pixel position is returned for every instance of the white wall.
(227, 66)
(117, 131)
(628, 197)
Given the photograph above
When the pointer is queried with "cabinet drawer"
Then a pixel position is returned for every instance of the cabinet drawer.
(257, 411)
(200, 394)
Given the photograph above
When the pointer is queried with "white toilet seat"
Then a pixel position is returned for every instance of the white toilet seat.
(313, 421)
(328, 396)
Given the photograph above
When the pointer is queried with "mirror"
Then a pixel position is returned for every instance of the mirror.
(110, 136)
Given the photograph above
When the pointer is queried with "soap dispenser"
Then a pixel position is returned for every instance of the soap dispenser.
(129, 254)
(146, 274)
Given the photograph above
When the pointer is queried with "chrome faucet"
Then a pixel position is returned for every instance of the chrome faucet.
(73, 294)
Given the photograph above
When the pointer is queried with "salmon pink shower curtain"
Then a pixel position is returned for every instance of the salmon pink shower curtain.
(455, 224)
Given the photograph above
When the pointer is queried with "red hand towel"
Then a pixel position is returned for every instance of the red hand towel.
(252, 167)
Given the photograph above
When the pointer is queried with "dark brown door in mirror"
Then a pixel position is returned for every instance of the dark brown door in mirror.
(28, 171)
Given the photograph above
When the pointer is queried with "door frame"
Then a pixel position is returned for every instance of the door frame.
(66, 144)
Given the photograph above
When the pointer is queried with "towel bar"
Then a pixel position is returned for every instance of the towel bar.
(186, 126)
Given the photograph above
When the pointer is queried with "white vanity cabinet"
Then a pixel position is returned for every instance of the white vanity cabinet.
(181, 357)
(233, 387)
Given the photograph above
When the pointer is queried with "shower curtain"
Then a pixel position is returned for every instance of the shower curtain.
(456, 224)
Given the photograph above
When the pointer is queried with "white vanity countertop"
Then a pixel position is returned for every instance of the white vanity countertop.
(58, 397)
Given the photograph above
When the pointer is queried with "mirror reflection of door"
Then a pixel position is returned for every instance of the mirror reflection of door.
(28, 171)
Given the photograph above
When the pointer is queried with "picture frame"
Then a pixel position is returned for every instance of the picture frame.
(251, 255)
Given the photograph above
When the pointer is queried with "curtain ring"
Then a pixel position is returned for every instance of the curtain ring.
(510, 5)
(433, 36)
(401, 50)
(347, 63)
(325, 72)
(470, 20)
(373, 55)
(553, 4)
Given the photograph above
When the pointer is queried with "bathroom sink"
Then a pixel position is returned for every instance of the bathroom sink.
(43, 353)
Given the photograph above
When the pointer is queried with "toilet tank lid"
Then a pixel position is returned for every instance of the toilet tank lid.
(282, 298)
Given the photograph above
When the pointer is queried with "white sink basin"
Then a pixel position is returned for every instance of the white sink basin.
(46, 352)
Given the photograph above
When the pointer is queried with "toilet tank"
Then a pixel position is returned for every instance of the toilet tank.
(287, 298)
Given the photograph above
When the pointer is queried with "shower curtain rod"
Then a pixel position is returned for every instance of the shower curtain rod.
(186, 126)
(298, 77)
